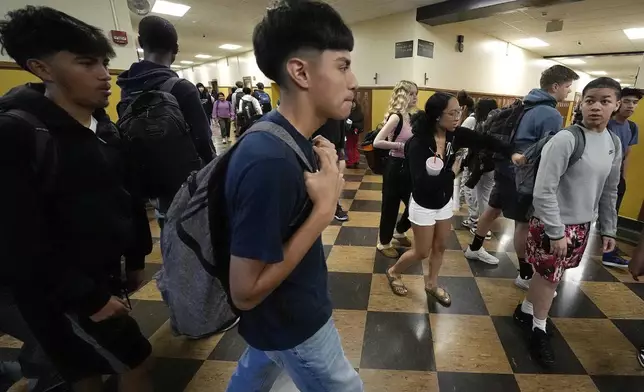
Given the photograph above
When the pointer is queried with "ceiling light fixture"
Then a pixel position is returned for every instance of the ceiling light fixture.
(169, 8)
(598, 73)
(635, 33)
(174, 66)
(203, 56)
(617, 80)
(186, 62)
(531, 43)
(230, 46)
(572, 61)
(140, 50)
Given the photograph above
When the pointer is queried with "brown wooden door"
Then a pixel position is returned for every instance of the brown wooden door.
(363, 97)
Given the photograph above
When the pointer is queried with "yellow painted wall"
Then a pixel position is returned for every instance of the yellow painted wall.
(10, 78)
(380, 101)
(634, 184)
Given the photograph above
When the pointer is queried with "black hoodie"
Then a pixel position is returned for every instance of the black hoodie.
(146, 73)
(64, 242)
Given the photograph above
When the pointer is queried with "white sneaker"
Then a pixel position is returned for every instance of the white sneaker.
(524, 284)
(481, 255)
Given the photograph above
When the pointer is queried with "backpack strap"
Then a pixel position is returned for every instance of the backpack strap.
(633, 127)
(580, 144)
(168, 85)
(283, 135)
(42, 139)
(398, 127)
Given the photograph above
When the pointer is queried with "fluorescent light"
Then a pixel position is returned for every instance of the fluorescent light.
(572, 61)
(169, 8)
(140, 50)
(186, 62)
(625, 85)
(635, 33)
(203, 56)
(598, 73)
(531, 43)
(230, 46)
(617, 80)
(175, 66)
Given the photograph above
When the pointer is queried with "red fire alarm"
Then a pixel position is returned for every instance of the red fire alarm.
(119, 37)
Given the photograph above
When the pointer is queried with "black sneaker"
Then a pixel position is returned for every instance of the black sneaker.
(340, 215)
(541, 349)
(640, 356)
(524, 321)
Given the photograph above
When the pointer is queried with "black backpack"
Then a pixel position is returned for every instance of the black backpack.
(238, 97)
(158, 139)
(503, 124)
(248, 114)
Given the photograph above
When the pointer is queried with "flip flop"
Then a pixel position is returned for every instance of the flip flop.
(396, 285)
(441, 296)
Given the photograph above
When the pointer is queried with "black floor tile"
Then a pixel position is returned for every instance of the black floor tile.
(150, 270)
(588, 271)
(382, 263)
(348, 194)
(230, 347)
(505, 269)
(466, 297)
(349, 290)
(637, 288)
(452, 242)
(357, 236)
(172, 374)
(633, 330)
(515, 344)
(397, 341)
(619, 383)
(150, 315)
(571, 302)
(353, 178)
(9, 354)
(479, 382)
(371, 186)
(366, 205)
(327, 250)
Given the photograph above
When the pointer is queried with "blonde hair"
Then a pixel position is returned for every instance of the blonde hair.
(400, 98)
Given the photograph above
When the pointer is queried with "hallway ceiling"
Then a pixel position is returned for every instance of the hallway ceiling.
(590, 26)
(209, 24)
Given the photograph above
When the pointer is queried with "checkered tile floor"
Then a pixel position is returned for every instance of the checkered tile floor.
(413, 344)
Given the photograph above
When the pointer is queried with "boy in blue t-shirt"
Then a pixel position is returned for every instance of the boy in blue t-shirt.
(628, 134)
(277, 211)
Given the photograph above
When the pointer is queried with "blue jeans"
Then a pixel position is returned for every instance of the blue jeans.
(316, 365)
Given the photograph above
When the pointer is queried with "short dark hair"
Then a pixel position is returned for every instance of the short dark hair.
(39, 32)
(483, 108)
(220, 94)
(247, 90)
(294, 25)
(632, 92)
(260, 85)
(158, 35)
(200, 85)
(557, 74)
(604, 82)
(239, 84)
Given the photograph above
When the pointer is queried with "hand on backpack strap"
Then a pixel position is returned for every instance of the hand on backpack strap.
(325, 185)
(518, 159)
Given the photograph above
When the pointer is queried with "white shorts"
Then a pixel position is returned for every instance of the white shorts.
(421, 216)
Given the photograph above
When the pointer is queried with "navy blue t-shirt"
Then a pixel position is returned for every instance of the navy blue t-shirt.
(267, 202)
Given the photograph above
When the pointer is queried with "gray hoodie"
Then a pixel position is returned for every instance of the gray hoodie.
(572, 195)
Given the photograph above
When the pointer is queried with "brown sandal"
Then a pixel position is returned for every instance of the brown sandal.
(397, 286)
(441, 296)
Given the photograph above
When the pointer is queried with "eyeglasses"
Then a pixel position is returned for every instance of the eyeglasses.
(454, 113)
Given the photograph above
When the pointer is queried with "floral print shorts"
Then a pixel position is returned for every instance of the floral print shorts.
(538, 253)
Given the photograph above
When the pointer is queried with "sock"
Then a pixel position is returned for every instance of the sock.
(383, 247)
(398, 235)
(526, 307)
(525, 269)
(536, 323)
(477, 243)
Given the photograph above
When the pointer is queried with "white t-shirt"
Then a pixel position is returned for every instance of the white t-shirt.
(93, 124)
(469, 122)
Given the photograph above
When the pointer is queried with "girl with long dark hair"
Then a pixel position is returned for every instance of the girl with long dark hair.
(433, 163)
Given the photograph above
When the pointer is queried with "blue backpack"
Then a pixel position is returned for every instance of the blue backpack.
(264, 100)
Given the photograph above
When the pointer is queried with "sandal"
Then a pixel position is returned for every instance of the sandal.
(441, 296)
(397, 286)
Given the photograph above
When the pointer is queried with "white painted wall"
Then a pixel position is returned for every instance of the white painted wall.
(227, 71)
(95, 12)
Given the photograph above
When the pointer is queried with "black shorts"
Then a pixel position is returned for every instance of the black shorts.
(505, 197)
(80, 348)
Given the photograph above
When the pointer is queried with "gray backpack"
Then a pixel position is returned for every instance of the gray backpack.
(526, 174)
(195, 246)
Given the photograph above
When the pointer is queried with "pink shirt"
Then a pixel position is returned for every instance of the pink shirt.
(405, 134)
(396, 147)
